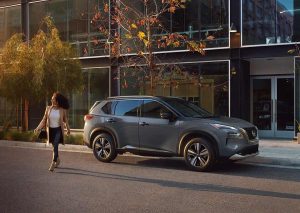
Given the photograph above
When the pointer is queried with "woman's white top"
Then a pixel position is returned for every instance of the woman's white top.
(54, 118)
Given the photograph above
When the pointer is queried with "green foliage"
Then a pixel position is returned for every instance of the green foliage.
(15, 135)
(40, 67)
(76, 139)
(17, 71)
(30, 136)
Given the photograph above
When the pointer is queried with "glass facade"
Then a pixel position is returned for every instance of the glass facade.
(73, 18)
(297, 94)
(10, 22)
(270, 21)
(96, 87)
(200, 20)
(205, 84)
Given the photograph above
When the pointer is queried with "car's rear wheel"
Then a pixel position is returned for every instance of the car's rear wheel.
(199, 154)
(104, 148)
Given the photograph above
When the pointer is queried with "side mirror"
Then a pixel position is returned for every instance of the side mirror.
(166, 115)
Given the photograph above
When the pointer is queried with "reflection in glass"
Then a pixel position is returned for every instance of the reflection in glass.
(204, 84)
(199, 20)
(270, 21)
(96, 87)
(2, 29)
(37, 12)
(285, 104)
(297, 95)
(74, 22)
(10, 23)
(262, 104)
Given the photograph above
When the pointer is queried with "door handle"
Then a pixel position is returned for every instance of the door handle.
(144, 124)
(110, 120)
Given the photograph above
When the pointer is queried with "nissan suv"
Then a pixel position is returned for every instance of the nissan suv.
(166, 126)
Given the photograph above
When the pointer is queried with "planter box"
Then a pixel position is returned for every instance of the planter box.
(298, 138)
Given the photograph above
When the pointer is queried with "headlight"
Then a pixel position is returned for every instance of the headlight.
(231, 131)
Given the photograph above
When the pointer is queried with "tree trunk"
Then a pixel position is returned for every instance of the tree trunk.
(25, 115)
(17, 116)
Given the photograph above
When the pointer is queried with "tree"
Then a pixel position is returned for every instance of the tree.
(139, 28)
(33, 70)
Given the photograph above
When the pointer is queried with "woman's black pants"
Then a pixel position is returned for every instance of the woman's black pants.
(55, 138)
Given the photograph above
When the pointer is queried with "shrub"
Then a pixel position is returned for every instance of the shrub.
(2, 135)
(76, 139)
(14, 135)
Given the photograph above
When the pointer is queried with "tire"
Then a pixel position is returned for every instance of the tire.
(199, 155)
(104, 148)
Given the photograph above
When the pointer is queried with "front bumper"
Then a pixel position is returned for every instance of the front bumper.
(246, 152)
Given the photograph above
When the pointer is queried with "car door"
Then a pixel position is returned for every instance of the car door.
(124, 122)
(156, 133)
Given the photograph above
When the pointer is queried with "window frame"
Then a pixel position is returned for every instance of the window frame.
(138, 113)
(160, 103)
(257, 45)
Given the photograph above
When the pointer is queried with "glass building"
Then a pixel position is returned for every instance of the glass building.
(246, 71)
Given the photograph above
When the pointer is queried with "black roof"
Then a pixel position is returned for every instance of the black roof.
(140, 97)
(133, 96)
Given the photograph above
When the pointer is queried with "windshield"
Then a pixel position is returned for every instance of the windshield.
(187, 109)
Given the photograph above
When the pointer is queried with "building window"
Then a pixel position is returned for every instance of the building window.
(10, 23)
(200, 20)
(96, 87)
(270, 22)
(297, 95)
(205, 84)
(74, 22)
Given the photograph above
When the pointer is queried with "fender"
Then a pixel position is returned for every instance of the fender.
(104, 129)
(211, 138)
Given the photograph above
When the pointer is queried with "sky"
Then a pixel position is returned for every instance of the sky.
(289, 4)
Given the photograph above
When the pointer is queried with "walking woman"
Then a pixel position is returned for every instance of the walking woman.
(54, 120)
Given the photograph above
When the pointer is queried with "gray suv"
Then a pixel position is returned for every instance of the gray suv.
(166, 126)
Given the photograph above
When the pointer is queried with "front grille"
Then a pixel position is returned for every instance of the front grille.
(249, 150)
(251, 132)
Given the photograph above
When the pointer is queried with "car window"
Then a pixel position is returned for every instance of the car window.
(152, 109)
(108, 108)
(188, 109)
(127, 107)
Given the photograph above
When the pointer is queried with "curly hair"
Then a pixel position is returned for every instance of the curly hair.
(61, 100)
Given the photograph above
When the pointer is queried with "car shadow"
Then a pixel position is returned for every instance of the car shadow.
(225, 168)
(178, 184)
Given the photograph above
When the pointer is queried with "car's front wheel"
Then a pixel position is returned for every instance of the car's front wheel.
(104, 148)
(199, 154)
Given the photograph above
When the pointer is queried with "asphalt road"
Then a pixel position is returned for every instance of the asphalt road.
(139, 184)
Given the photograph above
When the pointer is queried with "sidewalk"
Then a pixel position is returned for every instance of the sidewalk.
(38, 145)
(273, 148)
(278, 150)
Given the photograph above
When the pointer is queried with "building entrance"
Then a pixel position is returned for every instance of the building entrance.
(272, 106)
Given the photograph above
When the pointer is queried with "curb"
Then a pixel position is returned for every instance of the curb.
(39, 145)
(278, 150)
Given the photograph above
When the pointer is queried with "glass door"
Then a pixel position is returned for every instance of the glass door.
(262, 106)
(272, 106)
(284, 107)
(297, 95)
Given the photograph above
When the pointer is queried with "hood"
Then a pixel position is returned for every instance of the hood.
(235, 122)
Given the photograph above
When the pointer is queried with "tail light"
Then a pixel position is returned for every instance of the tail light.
(88, 117)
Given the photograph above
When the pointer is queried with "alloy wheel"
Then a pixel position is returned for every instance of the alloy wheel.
(198, 155)
(102, 147)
